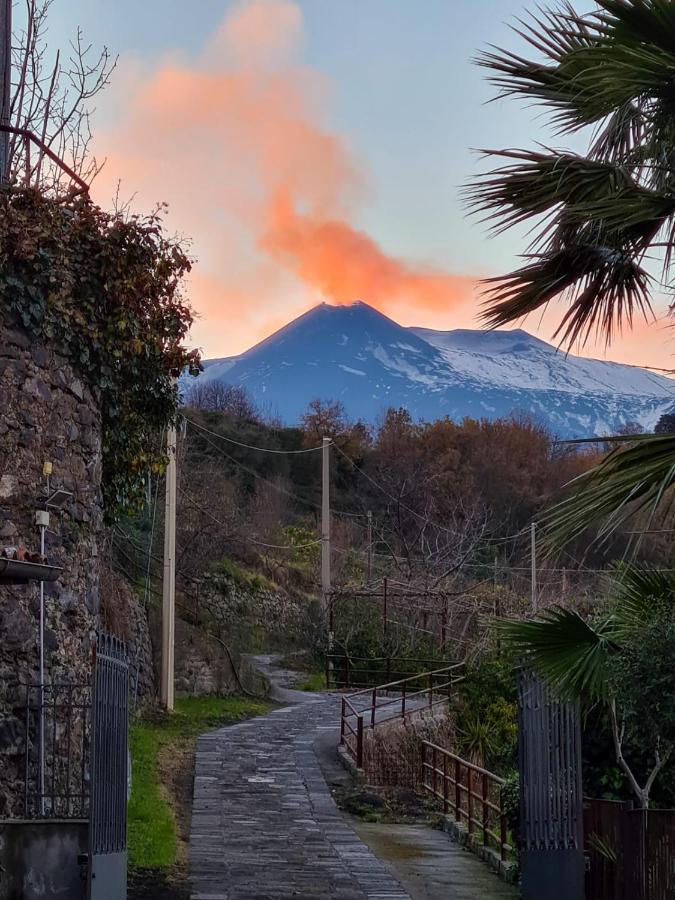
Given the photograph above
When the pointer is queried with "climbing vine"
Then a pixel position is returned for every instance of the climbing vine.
(106, 293)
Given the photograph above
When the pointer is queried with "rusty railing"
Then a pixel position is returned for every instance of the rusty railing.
(364, 709)
(29, 138)
(343, 671)
(471, 794)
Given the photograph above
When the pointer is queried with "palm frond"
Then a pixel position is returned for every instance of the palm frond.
(598, 196)
(567, 652)
(606, 288)
(558, 35)
(620, 137)
(541, 181)
(592, 64)
(632, 479)
(635, 592)
(602, 847)
(642, 21)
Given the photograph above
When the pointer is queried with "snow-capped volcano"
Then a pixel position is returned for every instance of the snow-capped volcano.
(369, 362)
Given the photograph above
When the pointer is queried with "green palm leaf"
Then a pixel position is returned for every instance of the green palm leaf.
(633, 479)
(606, 288)
(539, 182)
(601, 215)
(651, 22)
(565, 651)
(636, 592)
(593, 64)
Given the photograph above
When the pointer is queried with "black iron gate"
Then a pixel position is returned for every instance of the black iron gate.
(109, 772)
(551, 803)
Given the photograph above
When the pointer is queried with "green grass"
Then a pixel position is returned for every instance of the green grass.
(315, 681)
(152, 838)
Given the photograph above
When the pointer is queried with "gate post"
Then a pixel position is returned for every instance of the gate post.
(551, 801)
(107, 876)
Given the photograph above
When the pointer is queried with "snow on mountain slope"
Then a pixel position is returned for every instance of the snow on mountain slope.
(518, 359)
(369, 362)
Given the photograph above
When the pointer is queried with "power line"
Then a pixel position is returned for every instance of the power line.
(387, 494)
(260, 477)
(246, 539)
(152, 556)
(413, 512)
(311, 504)
(221, 437)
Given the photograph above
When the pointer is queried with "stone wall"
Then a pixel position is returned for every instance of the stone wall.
(47, 413)
(257, 615)
(124, 614)
(203, 664)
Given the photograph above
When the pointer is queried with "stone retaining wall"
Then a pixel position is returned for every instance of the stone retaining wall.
(47, 413)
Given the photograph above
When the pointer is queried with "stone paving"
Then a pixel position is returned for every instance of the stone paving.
(264, 824)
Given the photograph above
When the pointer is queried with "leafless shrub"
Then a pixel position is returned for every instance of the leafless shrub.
(52, 98)
(215, 396)
(392, 752)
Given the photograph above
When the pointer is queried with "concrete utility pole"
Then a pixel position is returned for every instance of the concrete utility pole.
(325, 535)
(370, 546)
(535, 599)
(5, 82)
(169, 575)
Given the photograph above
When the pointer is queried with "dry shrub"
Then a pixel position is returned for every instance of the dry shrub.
(392, 753)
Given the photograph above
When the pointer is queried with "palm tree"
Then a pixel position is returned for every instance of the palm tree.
(621, 658)
(602, 216)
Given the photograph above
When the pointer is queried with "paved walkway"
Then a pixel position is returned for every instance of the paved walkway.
(264, 824)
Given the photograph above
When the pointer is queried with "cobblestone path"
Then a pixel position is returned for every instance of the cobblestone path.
(264, 824)
(265, 827)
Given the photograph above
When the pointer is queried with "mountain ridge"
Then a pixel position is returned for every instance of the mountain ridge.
(368, 361)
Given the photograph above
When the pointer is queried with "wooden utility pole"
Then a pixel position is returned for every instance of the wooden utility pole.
(169, 579)
(385, 611)
(535, 599)
(325, 537)
(497, 604)
(370, 546)
(5, 82)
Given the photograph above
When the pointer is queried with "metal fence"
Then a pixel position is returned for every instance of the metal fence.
(395, 700)
(343, 671)
(551, 810)
(56, 721)
(630, 853)
(108, 820)
(470, 793)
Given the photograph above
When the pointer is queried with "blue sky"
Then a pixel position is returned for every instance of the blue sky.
(404, 97)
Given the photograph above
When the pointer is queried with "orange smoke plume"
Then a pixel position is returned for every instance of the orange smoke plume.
(235, 143)
(345, 264)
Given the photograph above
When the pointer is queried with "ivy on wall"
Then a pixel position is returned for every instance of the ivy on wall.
(105, 292)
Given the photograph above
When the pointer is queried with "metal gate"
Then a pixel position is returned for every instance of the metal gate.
(551, 803)
(109, 772)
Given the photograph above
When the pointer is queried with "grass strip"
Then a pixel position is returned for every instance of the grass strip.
(152, 834)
